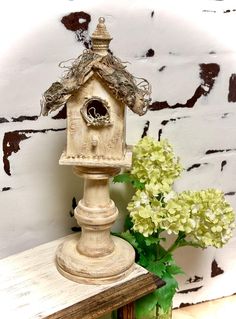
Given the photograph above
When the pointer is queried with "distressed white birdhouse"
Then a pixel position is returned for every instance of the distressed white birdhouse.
(96, 90)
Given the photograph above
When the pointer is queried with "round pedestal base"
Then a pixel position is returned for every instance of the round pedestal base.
(95, 270)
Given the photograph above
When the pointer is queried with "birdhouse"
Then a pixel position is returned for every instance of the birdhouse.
(96, 91)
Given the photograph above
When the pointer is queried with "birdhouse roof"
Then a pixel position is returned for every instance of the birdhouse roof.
(133, 92)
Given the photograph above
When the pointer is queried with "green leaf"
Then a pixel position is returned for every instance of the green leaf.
(166, 293)
(128, 179)
(162, 254)
(127, 235)
(144, 305)
(143, 261)
(137, 184)
(174, 269)
(148, 251)
(128, 223)
(157, 268)
(123, 178)
(151, 240)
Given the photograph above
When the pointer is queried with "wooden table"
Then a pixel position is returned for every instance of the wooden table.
(31, 287)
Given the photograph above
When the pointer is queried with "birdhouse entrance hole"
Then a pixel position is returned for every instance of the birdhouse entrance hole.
(96, 109)
(96, 112)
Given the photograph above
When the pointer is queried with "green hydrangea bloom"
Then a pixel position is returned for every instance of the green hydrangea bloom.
(142, 213)
(212, 215)
(204, 216)
(154, 163)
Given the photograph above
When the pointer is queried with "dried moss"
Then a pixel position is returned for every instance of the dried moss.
(133, 92)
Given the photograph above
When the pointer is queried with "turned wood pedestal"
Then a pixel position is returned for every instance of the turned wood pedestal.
(32, 288)
(94, 256)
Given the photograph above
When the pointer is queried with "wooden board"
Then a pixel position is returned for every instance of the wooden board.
(31, 287)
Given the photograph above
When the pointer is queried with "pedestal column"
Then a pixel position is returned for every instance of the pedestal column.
(95, 256)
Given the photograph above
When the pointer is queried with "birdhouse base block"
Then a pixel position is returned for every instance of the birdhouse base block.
(97, 161)
(95, 270)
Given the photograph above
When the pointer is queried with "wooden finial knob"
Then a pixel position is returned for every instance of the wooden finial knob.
(101, 20)
(101, 38)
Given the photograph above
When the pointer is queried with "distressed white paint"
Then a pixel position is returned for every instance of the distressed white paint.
(33, 42)
(31, 287)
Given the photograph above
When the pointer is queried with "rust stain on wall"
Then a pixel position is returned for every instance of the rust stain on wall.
(208, 74)
(11, 144)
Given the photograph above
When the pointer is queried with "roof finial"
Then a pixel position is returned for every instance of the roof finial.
(101, 38)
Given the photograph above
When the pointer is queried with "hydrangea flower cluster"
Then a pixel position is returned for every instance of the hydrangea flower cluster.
(154, 163)
(212, 217)
(204, 216)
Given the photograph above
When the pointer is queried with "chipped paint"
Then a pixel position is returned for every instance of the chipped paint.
(208, 74)
(186, 291)
(230, 193)
(61, 114)
(185, 304)
(232, 88)
(194, 279)
(208, 152)
(145, 129)
(11, 143)
(215, 269)
(4, 189)
(150, 53)
(3, 120)
(223, 163)
(162, 68)
(79, 23)
(196, 165)
(23, 118)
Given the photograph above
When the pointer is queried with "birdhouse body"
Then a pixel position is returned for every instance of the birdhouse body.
(95, 124)
(97, 89)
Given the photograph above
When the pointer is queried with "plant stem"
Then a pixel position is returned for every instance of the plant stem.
(179, 242)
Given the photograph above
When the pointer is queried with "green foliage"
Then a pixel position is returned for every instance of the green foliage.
(198, 219)
(145, 305)
(152, 256)
(128, 179)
